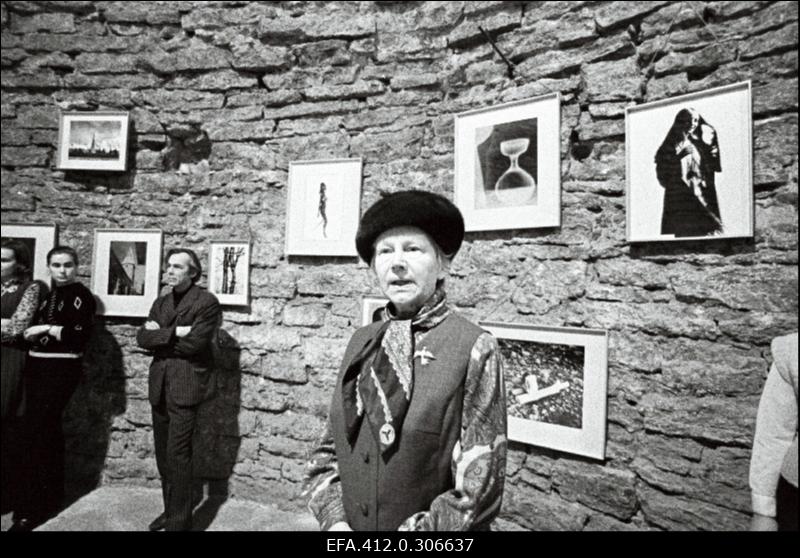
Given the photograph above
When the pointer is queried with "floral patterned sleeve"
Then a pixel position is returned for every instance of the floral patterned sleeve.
(479, 457)
(23, 315)
(323, 488)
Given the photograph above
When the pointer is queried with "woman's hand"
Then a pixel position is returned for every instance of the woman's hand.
(340, 526)
(763, 523)
(35, 331)
(182, 331)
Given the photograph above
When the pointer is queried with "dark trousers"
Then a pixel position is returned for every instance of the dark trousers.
(49, 385)
(786, 503)
(173, 428)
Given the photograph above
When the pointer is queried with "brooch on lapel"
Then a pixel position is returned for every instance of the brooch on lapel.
(424, 356)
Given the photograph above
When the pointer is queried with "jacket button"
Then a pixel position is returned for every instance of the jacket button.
(366, 457)
(364, 510)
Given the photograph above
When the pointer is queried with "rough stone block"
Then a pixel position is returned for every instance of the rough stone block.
(542, 512)
(779, 40)
(323, 353)
(613, 81)
(611, 491)
(104, 63)
(714, 419)
(51, 23)
(284, 367)
(681, 514)
(619, 14)
(24, 156)
(305, 315)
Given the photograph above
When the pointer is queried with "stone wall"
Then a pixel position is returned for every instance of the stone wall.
(223, 95)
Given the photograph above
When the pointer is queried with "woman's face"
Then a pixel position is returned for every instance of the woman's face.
(62, 269)
(9, 263)
(694, 120)
(408, 265)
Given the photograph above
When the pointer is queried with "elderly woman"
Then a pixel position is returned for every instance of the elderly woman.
(62, 329)
(416, 437)
(20, 299)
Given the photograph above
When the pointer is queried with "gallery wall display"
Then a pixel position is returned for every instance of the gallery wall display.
(93, 141)
(229, 271)
(372, 308)
(689, 166)
(39, 239)
(556, 382)
(508, 165)
(126, 270)
(323, 207)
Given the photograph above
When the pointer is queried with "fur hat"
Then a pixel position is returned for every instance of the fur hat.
(434, 214)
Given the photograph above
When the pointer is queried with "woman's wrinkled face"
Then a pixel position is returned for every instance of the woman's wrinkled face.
(408, 265)
(62, 269)
(695, 120)
(9, 263)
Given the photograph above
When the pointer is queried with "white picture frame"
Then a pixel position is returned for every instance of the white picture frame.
(323, 207)
(40, 239)
(695, 185)
(542, 363)
(126, 270)
(229, 271)
(93, 140)
(370, 305)
(508, 165)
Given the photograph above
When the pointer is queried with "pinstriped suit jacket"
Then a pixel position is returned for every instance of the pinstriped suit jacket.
(187, 360)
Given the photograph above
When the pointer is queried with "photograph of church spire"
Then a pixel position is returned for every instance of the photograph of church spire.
(127, 268)
(93, 141)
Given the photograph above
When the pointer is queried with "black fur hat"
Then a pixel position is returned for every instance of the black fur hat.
(434, 214)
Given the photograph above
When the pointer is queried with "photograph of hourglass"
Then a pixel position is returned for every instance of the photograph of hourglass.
(508, 165)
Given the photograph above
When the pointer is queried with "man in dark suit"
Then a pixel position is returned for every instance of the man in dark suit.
(179, 332)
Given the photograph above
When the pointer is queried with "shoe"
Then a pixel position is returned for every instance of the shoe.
(159, 523)
(22, 526)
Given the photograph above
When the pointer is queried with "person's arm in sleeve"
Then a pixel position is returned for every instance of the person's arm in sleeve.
(78, 333)
(322, 485)
(776, 427)
(479, 457)
(22, 317)
(202, 330)
(158, 337)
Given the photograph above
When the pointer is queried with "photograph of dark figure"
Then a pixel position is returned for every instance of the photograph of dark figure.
(508, 164)
(686, 164)
(323, 204)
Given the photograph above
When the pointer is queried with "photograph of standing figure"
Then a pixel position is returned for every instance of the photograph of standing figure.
(689, 166)
(686, 164)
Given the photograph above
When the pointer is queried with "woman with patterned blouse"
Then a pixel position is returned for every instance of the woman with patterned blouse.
(52, 372)
(416, 436)
(20, 298)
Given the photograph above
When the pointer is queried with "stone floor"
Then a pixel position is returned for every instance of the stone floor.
(115, 508)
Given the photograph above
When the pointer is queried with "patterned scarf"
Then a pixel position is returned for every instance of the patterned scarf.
(379, 381)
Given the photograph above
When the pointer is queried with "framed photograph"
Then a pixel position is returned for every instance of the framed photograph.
(126, 270)
(508, 165)
(323, 207)
(229, 272)
(556, 382)
(39, 239)
(689, 166)
(93, 141)
(372, 309)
